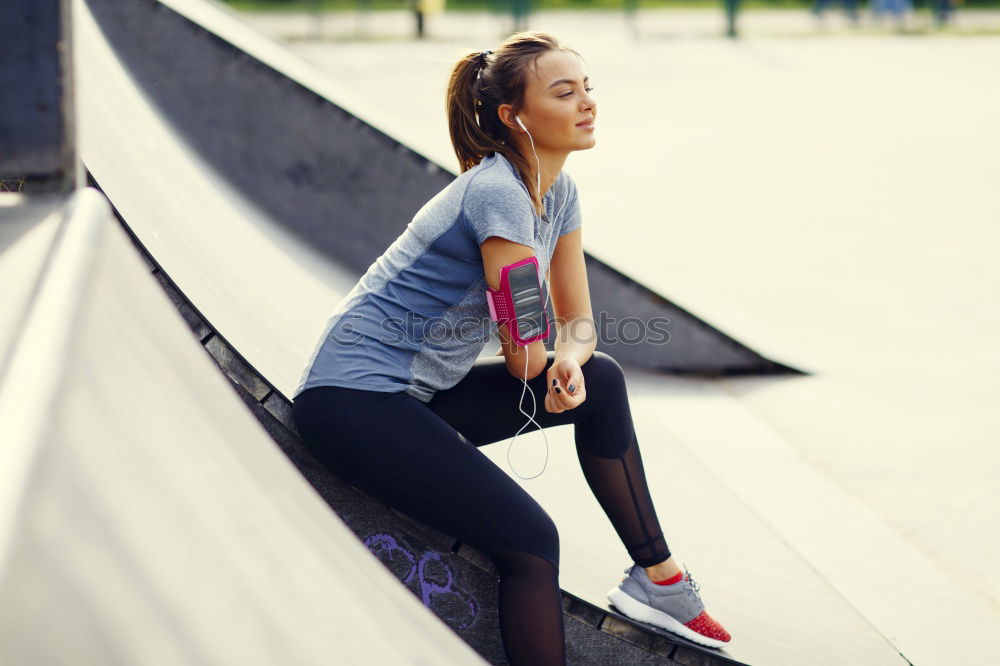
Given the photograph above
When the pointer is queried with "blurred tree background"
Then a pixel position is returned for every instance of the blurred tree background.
(505, 5)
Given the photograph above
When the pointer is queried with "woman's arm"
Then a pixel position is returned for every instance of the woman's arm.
(576, 331)
(499, 252)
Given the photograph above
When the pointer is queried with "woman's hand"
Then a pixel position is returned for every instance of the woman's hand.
(565, 386)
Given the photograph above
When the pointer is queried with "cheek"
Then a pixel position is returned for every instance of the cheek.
(560, 115)
(568, 118)
(561, 121)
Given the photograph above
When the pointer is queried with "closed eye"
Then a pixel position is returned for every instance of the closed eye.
(570, 92)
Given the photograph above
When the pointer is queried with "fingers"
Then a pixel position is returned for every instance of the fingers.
(560, 397)
(552, 403)
(570, 377)
(574, 384)
(568, 401)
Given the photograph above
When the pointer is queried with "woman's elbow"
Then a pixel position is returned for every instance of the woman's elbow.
(518, 372)
(536, 364)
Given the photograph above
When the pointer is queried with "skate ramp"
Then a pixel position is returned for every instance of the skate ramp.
(145, 517)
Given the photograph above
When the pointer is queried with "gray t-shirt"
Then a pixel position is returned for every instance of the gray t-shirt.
(417, 319)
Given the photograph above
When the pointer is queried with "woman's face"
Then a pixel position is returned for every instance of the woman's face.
(555, 100)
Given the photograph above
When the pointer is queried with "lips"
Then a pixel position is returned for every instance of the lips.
(588, 121)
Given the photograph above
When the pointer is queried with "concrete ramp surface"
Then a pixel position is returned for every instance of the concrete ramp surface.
(145, 517)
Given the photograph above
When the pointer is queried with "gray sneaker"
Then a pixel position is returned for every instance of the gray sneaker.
(677, 607)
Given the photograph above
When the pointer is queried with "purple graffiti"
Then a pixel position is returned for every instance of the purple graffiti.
(435, 578)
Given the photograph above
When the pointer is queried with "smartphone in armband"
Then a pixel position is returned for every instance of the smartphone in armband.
(519, 302)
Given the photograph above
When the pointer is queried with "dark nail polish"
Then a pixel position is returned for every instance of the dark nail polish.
(571, 387)
(554, 382)
(558, 390)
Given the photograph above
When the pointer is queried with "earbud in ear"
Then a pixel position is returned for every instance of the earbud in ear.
(518, 119)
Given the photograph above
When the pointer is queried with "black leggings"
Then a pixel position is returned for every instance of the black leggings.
(422, 459)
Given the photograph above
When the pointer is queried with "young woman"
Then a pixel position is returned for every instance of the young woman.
(396, 401)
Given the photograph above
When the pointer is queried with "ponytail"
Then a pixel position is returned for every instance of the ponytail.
(475, 132)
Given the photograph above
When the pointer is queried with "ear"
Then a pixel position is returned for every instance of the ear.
(506, 114)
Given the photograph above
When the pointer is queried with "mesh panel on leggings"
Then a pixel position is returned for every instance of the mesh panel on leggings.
(619, 484)
(530, 604)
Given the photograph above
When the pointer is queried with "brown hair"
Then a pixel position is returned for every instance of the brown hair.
(473, 91)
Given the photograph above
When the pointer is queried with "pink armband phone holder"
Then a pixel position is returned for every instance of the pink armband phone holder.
(518, 302)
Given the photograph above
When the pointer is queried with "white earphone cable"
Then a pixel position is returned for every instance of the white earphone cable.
(548, 269)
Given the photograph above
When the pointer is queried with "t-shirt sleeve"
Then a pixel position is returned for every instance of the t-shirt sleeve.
(499, 209)
(571, 218)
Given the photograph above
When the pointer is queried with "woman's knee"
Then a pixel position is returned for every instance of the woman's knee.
(514, 562)
(536, 535)
(602, 368)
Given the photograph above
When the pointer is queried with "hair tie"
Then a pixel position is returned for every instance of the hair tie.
(482, 57)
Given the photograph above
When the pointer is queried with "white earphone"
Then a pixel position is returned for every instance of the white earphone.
(539, 174)
(531, 417)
